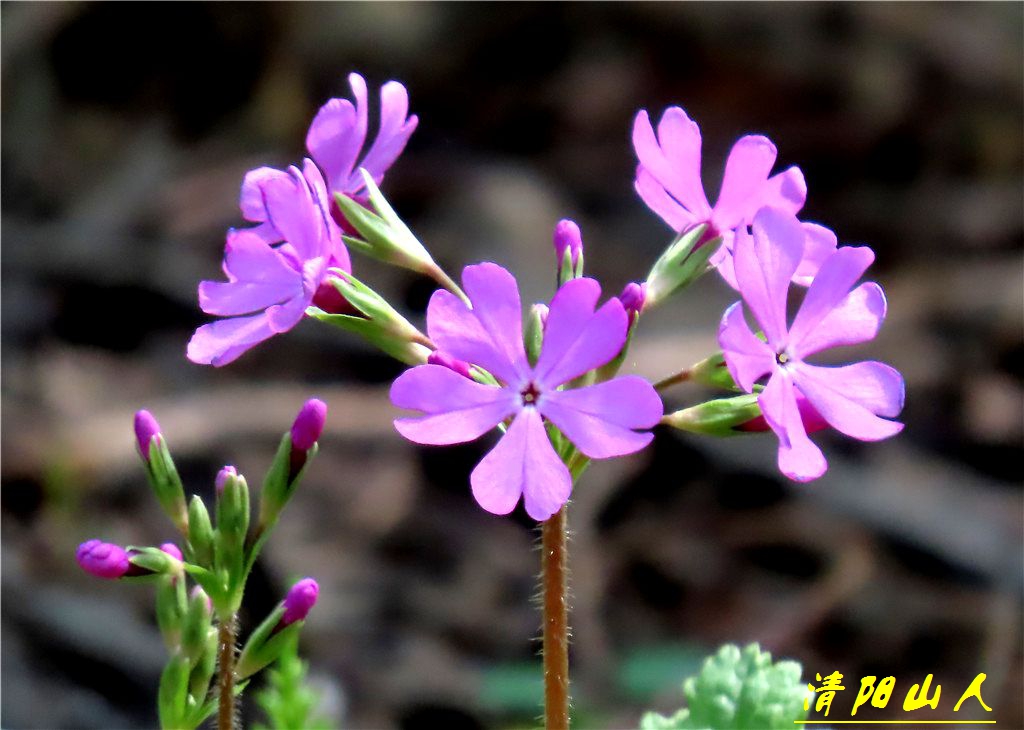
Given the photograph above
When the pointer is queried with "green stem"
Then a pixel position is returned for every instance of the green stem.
(227, 635)
(554, 578)
(681, 377)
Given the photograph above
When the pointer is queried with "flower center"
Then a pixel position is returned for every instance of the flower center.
(530, 394)
(782, 358)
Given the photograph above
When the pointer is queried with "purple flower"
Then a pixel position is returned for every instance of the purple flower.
(171, 549)
(102, 559)
(227, 472)
(854, 399)
(309, 424)
(281, 281)
(300, 599)
(599, 419)
(337, 136)
(668, 180)
(146, 428)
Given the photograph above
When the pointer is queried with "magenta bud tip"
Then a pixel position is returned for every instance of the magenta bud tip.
(197, 592)
(228, 472)
(171, 549)
(102, 559)
(146, 428)
(633, 297)
(309, 424)
(300, 599)
(567, 236)
(452, 363)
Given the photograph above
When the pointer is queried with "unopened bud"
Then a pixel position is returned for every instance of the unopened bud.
(309, 424)
(632, 298)
(533, 336)
(452, 363)
(102, 559)
(721, 417)
(146, 428)
(228, 472)
(171, 549)
(568, 242)
(300, 599)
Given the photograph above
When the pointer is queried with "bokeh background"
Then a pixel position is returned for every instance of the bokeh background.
(126, 131)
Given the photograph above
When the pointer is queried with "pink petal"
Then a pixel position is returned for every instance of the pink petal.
(496, 305)
(786, 191)
(337, 135)
(282, 317)
(675, 162)
(765, 263)
(664, 205)
(457, 409)
(454, 328)
(819, 244)
(337, 251)
(395, 130)
(576, 338)
(747, 357)
(228, 299)
(799, 458)
(854, 320)
(247, 257)
(251, 199)
(223, 341)
(832, 283)
(722, 259)
(744, 183)
(292, 211)
(851, 398)
(599, 419)
(523, 462)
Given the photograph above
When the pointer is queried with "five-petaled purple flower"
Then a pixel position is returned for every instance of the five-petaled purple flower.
(854, 399)
(669, 182)
(598, 419)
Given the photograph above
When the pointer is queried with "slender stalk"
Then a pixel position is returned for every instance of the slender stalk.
(554, 578)
(438, 274)
(227, 635)
(681, 377)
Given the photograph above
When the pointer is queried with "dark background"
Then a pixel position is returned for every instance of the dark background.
(126, 132)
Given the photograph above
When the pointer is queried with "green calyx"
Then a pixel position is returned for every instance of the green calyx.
(682, 263)
(721, 417)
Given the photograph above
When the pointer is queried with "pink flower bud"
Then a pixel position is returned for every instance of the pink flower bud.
(300, 599)
(196, 592)
(309, 424)
(228, 472)
(632, 298)
(171, 549)
(102, 559)
(452, 363)
(146, 428)
(567, 237)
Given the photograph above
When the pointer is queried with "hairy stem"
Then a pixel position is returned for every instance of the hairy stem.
(227, 635)
(554, 578)
(681, 377)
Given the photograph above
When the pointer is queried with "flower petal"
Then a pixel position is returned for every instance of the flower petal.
(819, 244)
(247, 257)
(336, 248)
(747, 357)
(223, 341)
(337, 134)
(851, 398)
(744, 183)
(251, 200)
(293, 212)
(765, 262)
(832, 283)
(599, 418)
(673, 158)
(576, 338)
(395, 130)
(457, 409)
(496, 305)
(786, 191)
(228, 299)
(282, 317)
(854, 320)
(523, 462)
(799, 458)
(658, 200)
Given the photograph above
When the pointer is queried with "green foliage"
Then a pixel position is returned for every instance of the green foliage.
(738, 690)
(287, 702)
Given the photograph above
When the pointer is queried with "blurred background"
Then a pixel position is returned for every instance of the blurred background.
(126, 132)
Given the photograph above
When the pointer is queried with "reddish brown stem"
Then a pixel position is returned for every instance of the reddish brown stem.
(556, 621)
(226, 637)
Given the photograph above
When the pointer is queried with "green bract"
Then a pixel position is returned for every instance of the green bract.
(738, 690)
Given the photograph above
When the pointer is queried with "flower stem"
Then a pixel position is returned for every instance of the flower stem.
(226, 637)
(556, 621)
(681, 377)
(438, 274)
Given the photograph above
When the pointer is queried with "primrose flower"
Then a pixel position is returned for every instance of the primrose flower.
(281, 281)
(598, 419)
(854, 399)
(668, 180)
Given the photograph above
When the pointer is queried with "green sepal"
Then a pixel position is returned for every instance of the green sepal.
(385, 237)
(279, 485)
(611, 368)
(205, 668)
(713, 371)
(382, 326)
(170, 609)
(232, 529)
(200, 533)
(166, 484)
(153, 560)
(533, 335)
(172, 697)
(256, 655)
(211, 583)
(196, 627)
(721, 417)
(566, 270)
(682, 263)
